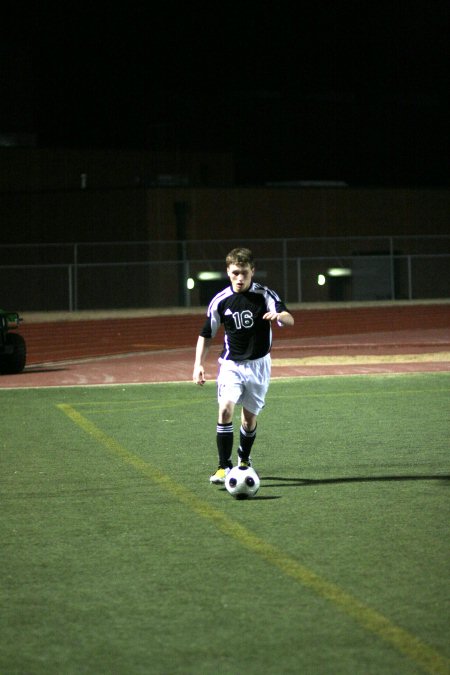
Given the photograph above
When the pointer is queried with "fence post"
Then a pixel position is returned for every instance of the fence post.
(299, 279)
(69, 278)
(75, 278)
(391, 253)
(285, 274)
(409, 278)
(186, 272)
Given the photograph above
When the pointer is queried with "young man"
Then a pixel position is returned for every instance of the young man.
(246, 309)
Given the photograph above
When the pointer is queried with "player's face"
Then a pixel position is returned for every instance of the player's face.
(241, 277)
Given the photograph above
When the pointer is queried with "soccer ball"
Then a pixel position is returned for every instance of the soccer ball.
(242, 482)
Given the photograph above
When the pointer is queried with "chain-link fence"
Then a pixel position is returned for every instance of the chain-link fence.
(141, 274)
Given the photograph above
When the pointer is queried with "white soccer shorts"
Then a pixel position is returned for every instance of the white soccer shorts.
(244, 383)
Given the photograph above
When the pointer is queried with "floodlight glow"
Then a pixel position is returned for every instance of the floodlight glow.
(190, 283)
(209, 276)
(321, 279)
(339, 272)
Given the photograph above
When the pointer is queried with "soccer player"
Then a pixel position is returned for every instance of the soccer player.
(246, 309)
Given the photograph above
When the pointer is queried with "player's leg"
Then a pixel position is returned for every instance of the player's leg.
(247, 435)
(253, 401)
(224, 439)
(229, 391)
(225, 434)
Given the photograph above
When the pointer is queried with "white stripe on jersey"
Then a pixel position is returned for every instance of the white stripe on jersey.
(270, 296)
(212, 313)
(226, 347)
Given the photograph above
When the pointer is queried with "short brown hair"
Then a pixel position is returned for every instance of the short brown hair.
(240, 256)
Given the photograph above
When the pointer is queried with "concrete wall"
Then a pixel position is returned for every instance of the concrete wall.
(72, 195)
(225, 213)
(219, 213)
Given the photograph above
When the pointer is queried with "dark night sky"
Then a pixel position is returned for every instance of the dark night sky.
(352, 91)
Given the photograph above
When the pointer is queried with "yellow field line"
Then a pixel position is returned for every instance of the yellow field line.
(408, 644)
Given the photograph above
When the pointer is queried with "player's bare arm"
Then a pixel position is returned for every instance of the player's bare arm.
(284, 318)
(201, 351)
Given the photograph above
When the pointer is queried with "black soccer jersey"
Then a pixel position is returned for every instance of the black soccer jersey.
(247, 335)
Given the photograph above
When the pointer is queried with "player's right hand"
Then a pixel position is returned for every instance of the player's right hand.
(199, 375)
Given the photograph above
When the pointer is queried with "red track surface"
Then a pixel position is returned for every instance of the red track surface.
(412, 350)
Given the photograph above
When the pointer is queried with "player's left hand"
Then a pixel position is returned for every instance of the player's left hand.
(271, 316)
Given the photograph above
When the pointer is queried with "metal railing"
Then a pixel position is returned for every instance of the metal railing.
(114, 275)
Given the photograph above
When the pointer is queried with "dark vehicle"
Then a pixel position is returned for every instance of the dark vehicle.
(13, 349)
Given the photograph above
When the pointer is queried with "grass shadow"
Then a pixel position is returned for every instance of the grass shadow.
(282, 481)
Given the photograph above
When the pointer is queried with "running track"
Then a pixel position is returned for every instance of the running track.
(159, 347)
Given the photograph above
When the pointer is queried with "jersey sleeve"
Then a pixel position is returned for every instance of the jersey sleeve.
(212, 323)
(280, 306)
(274, 303)
(206, 331)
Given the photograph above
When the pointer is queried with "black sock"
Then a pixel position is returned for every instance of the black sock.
(246, 440)
(225, 444)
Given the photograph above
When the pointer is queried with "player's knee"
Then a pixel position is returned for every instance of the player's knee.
(226, 413)
(248, 420)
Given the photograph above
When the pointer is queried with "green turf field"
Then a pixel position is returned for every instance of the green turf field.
(118, 557)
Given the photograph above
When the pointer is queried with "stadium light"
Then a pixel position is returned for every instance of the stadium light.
(339, 272)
